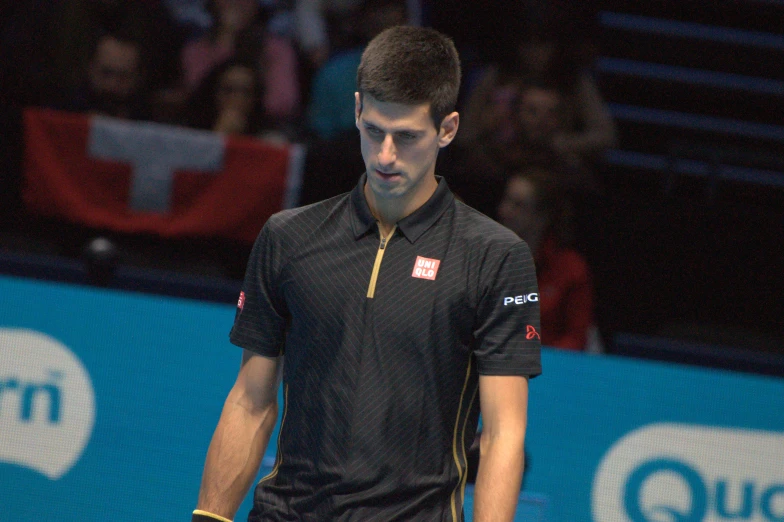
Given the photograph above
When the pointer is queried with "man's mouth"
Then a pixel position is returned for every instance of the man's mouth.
(387, 175)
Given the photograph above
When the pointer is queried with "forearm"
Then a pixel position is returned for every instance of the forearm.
(234, 455)
(499, 477)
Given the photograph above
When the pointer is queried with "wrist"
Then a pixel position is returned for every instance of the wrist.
(199, 515)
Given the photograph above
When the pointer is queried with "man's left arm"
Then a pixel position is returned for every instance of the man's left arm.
(504, 405)
(507, 354)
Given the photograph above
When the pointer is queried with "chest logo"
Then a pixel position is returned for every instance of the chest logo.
(425, 268)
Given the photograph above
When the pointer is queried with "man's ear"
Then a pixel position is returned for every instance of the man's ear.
(448, 130)
(357, 108)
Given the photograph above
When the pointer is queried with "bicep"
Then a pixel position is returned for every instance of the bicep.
(257, 382)
(503, 402)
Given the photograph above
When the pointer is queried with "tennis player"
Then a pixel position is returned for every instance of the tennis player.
(401, 314)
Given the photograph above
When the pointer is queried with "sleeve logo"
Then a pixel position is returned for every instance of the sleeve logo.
(521, 299)
(425, 268)
(241, 301)
(531, 333)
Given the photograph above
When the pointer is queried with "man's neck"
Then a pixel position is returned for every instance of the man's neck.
(387, 216)
(389, 211)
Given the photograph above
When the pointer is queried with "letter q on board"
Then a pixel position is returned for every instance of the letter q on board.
(671, 471)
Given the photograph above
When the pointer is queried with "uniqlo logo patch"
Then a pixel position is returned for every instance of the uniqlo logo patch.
(241, 301)
(425, 268)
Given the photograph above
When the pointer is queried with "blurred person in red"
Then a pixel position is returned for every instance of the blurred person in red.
(533, 207)
(238, 31)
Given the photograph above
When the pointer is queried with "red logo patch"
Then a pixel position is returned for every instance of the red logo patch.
(425, 268)
(531, 333)
(241, 301)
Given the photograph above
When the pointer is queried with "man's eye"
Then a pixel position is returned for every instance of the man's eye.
(406, 136)
(374, 131)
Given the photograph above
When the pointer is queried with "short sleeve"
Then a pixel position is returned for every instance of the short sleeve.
(260, 319)
(506, 328)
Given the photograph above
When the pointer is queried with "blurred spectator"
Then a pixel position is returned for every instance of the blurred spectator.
(536, 102)
(542, 59)
(238, 31)
(229, 100)
(79, 24)
(331, 106)
(114, 84)
(324, 27)
(538, 127)
(189, 13)
(520, 126)
(316, 21)
(517, 128)
(534, 207)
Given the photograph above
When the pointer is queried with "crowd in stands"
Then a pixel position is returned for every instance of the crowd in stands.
(533, 121)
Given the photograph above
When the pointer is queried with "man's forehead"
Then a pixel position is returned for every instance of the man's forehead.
(394, 116)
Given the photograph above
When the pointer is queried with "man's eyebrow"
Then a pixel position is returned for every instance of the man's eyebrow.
(370, 125)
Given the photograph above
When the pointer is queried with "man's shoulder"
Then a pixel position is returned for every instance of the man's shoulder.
(481, 231)
(305, 218)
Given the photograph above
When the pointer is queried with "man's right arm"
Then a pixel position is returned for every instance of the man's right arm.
(240, 439)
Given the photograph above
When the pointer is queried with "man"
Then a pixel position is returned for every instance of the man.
(400, 312)
(114, 83)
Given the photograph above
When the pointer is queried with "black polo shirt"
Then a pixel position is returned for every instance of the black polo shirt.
(383, 341)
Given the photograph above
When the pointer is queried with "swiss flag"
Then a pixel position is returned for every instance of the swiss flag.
(142, 177)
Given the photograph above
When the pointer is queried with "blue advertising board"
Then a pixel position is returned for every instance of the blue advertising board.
(140, 382)
(108, 401)
(623, 440)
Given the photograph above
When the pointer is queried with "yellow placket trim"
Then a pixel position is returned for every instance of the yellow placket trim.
(377, 264)
(279, 456)
(461, 474)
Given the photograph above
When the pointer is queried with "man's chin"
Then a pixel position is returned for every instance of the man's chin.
(385, 189)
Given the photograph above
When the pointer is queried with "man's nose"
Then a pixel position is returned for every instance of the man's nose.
(387, 153)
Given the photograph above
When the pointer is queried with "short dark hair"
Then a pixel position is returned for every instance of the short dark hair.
(407, 64)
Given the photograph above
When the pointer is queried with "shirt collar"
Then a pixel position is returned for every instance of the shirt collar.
(411, 226)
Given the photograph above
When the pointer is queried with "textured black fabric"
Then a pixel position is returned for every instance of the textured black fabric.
(381, 393)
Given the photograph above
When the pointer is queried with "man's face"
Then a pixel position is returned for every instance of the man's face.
(517, 210)
(236, 90)
(400, 145)
(114, 70)
(539, 114)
